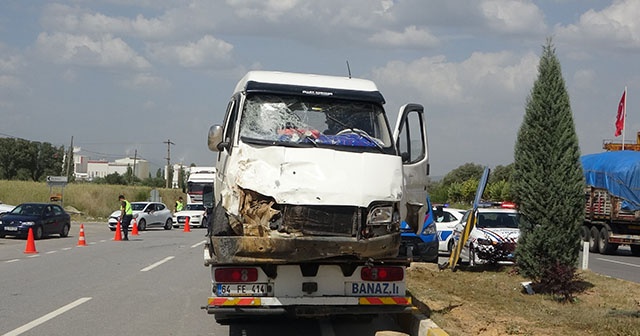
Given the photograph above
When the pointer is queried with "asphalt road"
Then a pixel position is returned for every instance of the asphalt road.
(153, 284)
(621, 265)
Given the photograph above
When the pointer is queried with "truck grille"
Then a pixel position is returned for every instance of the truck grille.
(322, 220)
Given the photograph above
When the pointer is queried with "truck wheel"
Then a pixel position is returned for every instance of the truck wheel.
(585, 233)
(635, 250)
(594, 235)
(603, 242)
(220, 222)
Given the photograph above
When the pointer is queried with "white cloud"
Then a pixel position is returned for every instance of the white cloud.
(411, 37)
(10, 82)
(145, 81)
(480, 76)
(513, 16)
(615, 26)
(105, 51)
(208, 51)
(584, 78)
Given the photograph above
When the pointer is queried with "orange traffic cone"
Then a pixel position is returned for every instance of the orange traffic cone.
(81, 240)
(31, 243)
(186, 225)
(118, 235)
(134, 230)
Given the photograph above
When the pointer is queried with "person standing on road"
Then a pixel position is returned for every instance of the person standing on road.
(179, 204)
(126, 215)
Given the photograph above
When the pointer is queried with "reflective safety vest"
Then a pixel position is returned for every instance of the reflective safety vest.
(127, 208)
(179, 206)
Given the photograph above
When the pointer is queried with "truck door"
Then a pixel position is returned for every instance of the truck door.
(410, 135)
(231, 119)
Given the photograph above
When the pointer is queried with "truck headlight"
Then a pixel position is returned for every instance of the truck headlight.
(382, 215)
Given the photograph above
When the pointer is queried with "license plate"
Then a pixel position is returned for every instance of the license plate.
(11, 228)
(373, 288)
(253, 289)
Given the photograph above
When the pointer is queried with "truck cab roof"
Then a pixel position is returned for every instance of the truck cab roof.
(309, 84)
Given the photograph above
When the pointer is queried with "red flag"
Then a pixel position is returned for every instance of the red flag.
(620, 117)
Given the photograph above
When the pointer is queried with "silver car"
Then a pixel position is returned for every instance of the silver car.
(145, 214)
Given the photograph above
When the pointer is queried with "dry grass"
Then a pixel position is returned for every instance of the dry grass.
(94, 201)
(492, 302)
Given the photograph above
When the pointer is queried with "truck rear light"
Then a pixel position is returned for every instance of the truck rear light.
(382, 273)
(236, 274)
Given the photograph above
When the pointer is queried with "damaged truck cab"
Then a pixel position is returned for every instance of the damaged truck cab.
(311, 187)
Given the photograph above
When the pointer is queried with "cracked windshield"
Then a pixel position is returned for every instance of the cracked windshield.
(288, 120)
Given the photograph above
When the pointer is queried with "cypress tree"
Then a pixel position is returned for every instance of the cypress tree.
(548, 183)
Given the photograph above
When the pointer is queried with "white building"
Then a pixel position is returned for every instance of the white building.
(86, 169)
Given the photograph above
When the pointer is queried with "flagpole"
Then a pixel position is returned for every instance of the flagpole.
(624, 113)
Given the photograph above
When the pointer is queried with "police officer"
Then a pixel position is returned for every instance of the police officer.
(179, 204)
(126, 215)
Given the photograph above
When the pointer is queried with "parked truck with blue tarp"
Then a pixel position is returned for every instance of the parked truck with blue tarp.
(612, 209)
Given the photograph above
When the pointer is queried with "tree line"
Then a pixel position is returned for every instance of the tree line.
(460, 184)
(26, 160)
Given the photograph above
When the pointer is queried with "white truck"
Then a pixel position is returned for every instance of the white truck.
(311, 187)
(198, 179)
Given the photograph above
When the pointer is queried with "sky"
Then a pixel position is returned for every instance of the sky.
(124, 78)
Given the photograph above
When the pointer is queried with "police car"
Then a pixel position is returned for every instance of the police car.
(446, 220)
(494, 237)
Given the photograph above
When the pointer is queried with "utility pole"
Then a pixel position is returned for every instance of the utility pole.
(135, 158)
(166, 174)
(67, 169)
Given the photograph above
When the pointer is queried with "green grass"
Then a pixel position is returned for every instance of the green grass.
(485, 301)
(94, 201)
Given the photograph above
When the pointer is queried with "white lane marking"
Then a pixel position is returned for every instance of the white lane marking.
(33, 256)
(326, 329)
(618, 262)
(47, 317)
(67, 248)
(51, 252)
(12, 260)
(198, 244)
(103, 240)
(150, 267)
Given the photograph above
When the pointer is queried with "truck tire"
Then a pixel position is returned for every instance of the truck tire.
(585, 233)
(603, 242)
(635, 250)
(219, 224)
(594, 235)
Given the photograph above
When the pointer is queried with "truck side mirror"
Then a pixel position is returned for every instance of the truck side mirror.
(214, 139)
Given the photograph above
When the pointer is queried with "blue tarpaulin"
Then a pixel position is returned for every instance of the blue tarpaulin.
(618, 172)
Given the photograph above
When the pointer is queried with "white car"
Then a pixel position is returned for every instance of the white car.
(4, 208)
(446, 220)
(494, 237)
(196, 213)
(145, 214)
